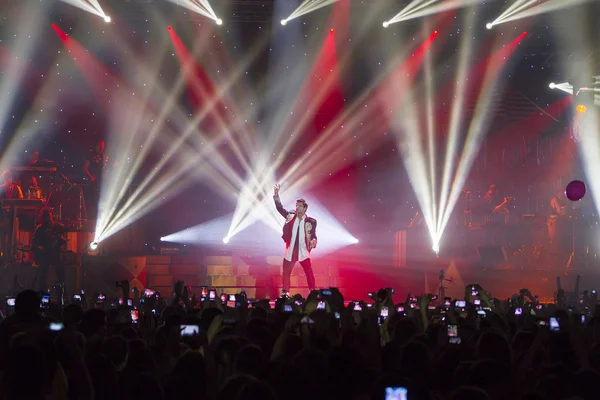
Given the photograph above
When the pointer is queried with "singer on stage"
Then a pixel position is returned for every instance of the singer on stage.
(300, 237)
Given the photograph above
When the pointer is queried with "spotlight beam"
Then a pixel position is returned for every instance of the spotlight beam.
(29, 24)
(308, 6)
(424, 11)
(93, 7)
(534, 7)
(133, 208)
(465, 54)
(479, 122)
(201, 7)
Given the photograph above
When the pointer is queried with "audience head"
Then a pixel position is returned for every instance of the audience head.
(27, 302)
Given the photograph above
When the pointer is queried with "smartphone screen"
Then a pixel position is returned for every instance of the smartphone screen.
(45, 300)
(189, 330)
(357, 307)
(10, 301)
(223, 298)
(135, 315)
(287, 308)
(77, 297)
(148, 292)
(452, 330)
(204, 292)
(396, 393)
(56, 326)
(384, 312)
(321, 305)
(231, 304)
(212, 295)
(460, 303)
(554, 325)
(130, 302)
(231, 297)
(518, 311)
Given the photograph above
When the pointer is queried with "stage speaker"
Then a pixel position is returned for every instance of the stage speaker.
(492, 256)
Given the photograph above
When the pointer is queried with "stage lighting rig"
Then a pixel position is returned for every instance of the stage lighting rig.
(107, 19)
(385, 24)
(489, 25)
(284, 22)
(219, 21)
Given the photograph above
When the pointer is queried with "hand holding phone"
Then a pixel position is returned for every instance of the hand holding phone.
(189, 330)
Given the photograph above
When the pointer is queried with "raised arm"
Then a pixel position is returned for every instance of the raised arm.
(284, 213)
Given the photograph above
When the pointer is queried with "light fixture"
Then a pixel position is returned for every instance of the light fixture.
(284, 22)
(107, 19)
(385, 24)
(219, 21)
(94, 246)
(225, 240)
(552, 85)
(489, 25)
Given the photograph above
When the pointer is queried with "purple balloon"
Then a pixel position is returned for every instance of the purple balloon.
(575, 190)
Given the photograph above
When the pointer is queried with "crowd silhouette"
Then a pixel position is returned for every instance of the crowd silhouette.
(231, 348)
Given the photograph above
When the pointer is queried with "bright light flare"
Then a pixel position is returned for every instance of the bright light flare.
(219, 21)
(332, 235)
(489, 25)
(94, 246)
(565, 87)
(385, 24)
(107, 19)
(284, 22)
(581, 108)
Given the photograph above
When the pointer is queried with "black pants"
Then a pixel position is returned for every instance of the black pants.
(288, 266)
(45, 261)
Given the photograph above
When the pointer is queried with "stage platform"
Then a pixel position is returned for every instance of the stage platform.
(261, 277)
